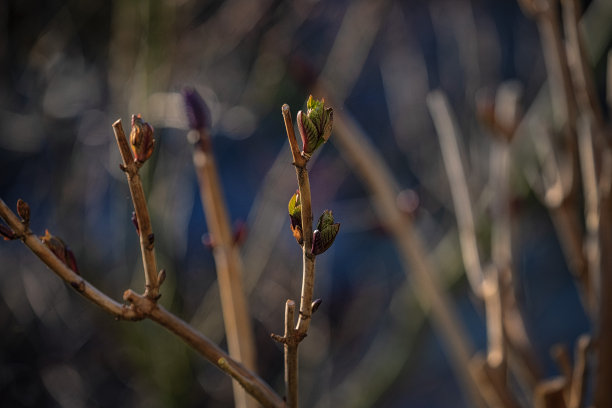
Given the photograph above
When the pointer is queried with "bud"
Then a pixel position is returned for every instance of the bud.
(295, 215)
(325, 234)
(60, 250)
(141, 139)
(198, 114)
(7, 233)
(315, 305)
(23, 209)
(316, 125)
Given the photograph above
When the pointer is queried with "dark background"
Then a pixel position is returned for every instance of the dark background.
(70, 69)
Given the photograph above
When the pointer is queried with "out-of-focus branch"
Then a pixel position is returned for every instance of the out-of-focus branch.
(371, 168)
(228, 263)
(144, 307)
(577, 61)
(579, 383)
(549, 394)
(145, 231)
(449, 139)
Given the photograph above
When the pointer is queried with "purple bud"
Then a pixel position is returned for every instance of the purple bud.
(198, 114)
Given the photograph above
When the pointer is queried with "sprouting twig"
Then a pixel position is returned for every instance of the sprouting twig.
(144, 307)
(228, 263)
(308, 275)
(447, 133)
(147, 239)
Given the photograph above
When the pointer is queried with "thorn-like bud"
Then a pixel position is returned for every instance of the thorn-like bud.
(60, 250)
(295, 215)
(135, 222)
(208, 241)
(23, 209)
(325, 234)
(315, 125)
(141, 139)
(151, 240)
(198, 114)
(315, 305)
(161, 277)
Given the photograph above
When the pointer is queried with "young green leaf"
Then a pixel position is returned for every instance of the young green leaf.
(325, 234)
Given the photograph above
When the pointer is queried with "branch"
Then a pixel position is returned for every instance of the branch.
(579, 382)
(62, 270)
(228, 264)
(145, 307)
(145, 231)
(308, 276)
(448, 135)
(371, 168)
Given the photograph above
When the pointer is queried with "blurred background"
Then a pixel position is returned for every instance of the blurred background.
(71, 68)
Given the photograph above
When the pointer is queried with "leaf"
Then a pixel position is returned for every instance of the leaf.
(308, 131)
(325, 234)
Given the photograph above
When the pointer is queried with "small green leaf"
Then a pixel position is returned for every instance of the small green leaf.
(295, 215)
(325, 234)
(315, 125)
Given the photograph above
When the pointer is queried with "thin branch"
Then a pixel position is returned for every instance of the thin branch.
(59, 268)
(449, 138)
(145, 231)
(371, 168)
(579, 383)
(228, 263)
(290, 342)
(580, 70)
(549, 394)
(308, 276)
(145, 307)
(561, 356)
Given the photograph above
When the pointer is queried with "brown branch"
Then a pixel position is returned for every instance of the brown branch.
(449, 143)
(145, 231)
(580, 372)
(145, 307)
(561, 356)
(62, 270)
(549, 394)
(308, 275)
(371, 168)
(290, 341)
(577, 61)
(228, 263)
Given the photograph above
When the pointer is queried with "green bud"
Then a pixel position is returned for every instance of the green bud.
(295, 215)
(316, 125)
(325, 234)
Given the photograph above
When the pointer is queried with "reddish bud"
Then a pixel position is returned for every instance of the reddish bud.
(60, 250)
(141, 139)
(23, 209)
(135, 222)
(240, 232)
(198, 114)
(7, 233)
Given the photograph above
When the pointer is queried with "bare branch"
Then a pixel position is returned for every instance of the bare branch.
(228, 263)
(449, 140)
(579, 383)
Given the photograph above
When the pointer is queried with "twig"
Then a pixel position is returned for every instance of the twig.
(308, 276)
(228, 264)
(144, 307)
(561, 356)
(290, 340)
(581, 73)
(147, 239)
(371, 168)
(56, 265)
(580, 371)
(448, 135)
(549, 394)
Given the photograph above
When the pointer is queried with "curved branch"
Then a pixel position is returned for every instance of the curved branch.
(144, 307)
